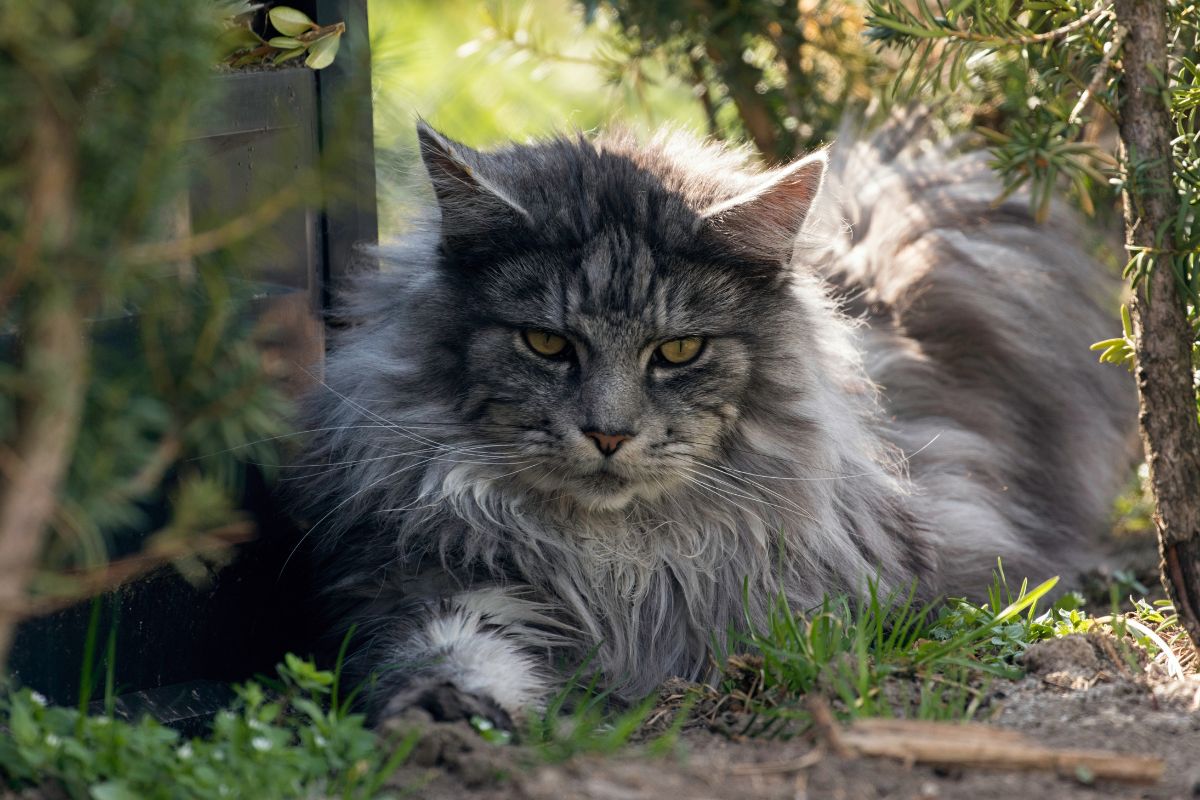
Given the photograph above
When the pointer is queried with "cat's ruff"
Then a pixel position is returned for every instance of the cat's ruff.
(894, 385)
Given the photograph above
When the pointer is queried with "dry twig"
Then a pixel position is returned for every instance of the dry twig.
(984, 746)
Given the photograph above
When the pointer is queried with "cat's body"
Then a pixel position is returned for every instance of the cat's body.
(511, 473)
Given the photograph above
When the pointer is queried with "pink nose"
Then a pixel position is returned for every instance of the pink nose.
(607, 443)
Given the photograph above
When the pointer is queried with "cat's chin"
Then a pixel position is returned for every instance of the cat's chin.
(603, 492)
(606, 501)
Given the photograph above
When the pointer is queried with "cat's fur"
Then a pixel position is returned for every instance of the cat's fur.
(481, 543)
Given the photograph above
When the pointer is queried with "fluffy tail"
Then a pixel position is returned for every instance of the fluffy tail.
(978, 326)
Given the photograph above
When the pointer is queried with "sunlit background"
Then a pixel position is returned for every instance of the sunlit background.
(488, 72)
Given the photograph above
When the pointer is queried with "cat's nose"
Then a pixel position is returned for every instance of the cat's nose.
(607, 443)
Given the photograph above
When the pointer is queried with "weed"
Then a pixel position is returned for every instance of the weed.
(890, 656)
(580, 719)
(293, 744)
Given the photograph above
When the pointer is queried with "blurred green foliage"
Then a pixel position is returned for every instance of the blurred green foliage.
(490, 72)
(98, 97)
(495, 71)
(779, 76)
(785, 75)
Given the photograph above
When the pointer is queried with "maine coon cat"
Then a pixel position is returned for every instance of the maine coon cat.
(613, 383)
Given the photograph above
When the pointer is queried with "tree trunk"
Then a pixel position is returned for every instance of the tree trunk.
(1167, 413)
(740, 79)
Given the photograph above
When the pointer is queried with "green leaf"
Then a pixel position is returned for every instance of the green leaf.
(285, 42)
(235, 39)
(1027, 600)
(303, 674)
(321, 52)
(289, 21)
(310, 709)
(113, 790)
(21, 723)
(249, 58)
(289, 54)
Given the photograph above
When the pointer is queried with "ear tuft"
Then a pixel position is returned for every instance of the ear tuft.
(470, 202)
(443, 164)
(764, 222)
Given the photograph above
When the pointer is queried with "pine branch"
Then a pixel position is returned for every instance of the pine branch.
(1099, 77)
(902, 21)
(111, 576)
(236, 230)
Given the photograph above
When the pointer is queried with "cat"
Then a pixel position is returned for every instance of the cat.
(618, 397)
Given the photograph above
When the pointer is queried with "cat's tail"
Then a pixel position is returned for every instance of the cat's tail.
(978, 322)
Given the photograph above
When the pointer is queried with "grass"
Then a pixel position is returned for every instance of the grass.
(291, 736)
(886, 656)
(296, 735)
(580, 719)
(890, 657)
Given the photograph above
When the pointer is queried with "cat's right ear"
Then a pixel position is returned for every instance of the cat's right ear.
(764, 222)
(471, 203)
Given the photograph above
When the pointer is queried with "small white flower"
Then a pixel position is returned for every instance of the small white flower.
(261, 743)
(184, 751)
(320, 740)
(38, 698)
(53, 740)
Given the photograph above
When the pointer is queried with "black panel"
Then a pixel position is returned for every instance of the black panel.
(262, 139)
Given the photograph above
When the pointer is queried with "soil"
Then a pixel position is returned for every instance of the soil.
(1080, 692)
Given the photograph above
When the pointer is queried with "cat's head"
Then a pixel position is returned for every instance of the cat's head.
(615, 303)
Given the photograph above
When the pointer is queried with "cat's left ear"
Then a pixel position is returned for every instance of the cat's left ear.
(764, 222)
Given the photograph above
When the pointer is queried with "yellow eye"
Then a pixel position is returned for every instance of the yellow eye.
(545, 343)
(680, 351)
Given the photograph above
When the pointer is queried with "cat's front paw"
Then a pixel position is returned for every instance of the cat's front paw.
(445, 702)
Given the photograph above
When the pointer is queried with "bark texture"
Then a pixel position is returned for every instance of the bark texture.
(1167, 413)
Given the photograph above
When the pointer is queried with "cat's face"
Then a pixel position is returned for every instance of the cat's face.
(615, 369)
(607, 350)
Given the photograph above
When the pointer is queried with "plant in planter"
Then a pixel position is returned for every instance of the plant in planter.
(296, 35)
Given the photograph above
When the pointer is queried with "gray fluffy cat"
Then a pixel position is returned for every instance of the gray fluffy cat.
(616, 382)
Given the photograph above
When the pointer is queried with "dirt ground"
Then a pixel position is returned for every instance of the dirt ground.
(1078, 694)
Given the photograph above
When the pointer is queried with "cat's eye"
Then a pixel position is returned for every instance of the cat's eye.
(680, 351)
(545, 343)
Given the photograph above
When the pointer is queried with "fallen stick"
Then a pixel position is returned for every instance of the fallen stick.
(967, 745)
